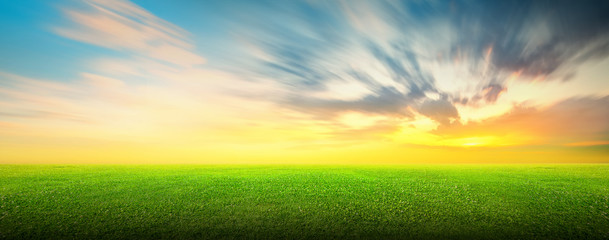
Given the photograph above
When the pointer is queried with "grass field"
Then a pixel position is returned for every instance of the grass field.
(304, 202)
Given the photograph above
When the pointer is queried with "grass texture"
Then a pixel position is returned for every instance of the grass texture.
(304, 202)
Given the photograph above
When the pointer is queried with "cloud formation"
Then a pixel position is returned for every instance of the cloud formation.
(570, 121)
(535, 38)
(440, 110)
(396, 51)
(124, 26)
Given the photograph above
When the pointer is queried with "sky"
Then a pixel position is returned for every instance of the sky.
(304, 82)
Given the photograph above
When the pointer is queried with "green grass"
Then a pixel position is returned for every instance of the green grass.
(304, 202)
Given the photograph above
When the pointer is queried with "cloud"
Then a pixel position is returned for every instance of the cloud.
(124, 26)
(489, 94)
(153, 90)
(440, 110)
(477, 47)
(492, 92)
(317, 61)
(547, 39)
(573, 120)
(387, 101)
(101, 108)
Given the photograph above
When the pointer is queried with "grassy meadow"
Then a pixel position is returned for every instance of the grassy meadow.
(304, 202)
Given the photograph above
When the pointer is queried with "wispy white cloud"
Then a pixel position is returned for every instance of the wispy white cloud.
(124, 26)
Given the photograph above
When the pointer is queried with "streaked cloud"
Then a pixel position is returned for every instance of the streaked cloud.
(567, 122)
(440, 110)
(124, 26)
(404, 52)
